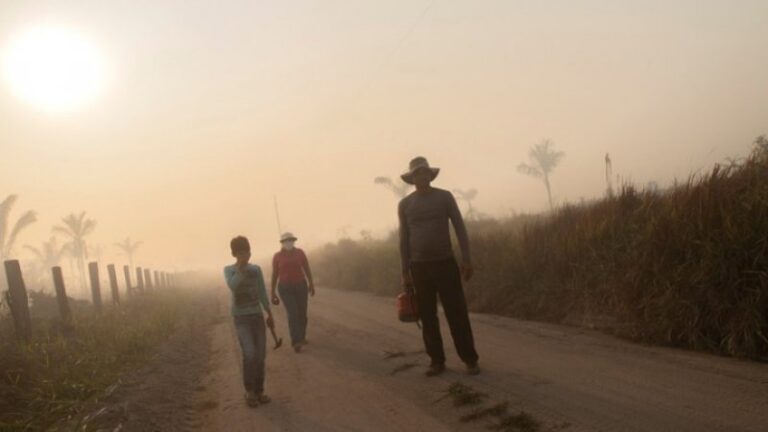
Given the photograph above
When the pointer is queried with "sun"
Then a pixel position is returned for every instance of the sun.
(53, 68)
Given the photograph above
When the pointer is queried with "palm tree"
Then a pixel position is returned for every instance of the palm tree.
(76, 228)
(609, 175)
(468, 196)
(128, 247)
(8, 239)
(400, 189)
(47, 256)
(543, 160)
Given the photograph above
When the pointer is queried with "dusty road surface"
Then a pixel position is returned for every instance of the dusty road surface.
(363, 371)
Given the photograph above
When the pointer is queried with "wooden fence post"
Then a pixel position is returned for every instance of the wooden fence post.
(113, 283)
(127, 273)
(165, 279)
(148, 278)
(157, 279)
(61, 295)
(18, 300)
(139, 279)
(93, 271)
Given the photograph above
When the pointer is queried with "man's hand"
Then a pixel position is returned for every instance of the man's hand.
(275, 299)
(467, 271)
(407, 281)
(311, 289)
(242, 266)
(270, 321)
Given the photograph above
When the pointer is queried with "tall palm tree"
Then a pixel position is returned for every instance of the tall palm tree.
(468, 196)
(128, 247)
(609, 175)
(46, 257)
(76, 228)
(399, 189)
(543, 160)
(8, 238)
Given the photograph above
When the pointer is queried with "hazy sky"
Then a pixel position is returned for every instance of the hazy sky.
(211, 108)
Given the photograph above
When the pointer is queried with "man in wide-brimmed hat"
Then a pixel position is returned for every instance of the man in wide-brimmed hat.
(429, 265)
(292, 278)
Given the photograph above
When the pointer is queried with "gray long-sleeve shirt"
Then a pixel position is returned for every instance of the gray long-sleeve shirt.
(424, 234)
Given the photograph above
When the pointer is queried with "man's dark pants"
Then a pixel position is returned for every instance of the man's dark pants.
(442, 278)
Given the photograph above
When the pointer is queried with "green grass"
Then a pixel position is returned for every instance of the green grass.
(463, 395)
(48, 379)
(683, 267)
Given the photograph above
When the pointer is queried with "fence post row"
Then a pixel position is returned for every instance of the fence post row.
(113, 283)
(127, 273)
(93, 271)
(61, 295)
(18, 300)
(148, 278)
(139, 279)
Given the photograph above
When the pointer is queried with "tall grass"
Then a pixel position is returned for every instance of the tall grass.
(47, 379)
(686, 267)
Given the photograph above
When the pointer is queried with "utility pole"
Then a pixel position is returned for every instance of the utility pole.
(277, 217)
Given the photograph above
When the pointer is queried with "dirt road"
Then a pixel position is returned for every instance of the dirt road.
(363, 371)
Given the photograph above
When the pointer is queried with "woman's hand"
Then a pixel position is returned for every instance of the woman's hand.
(312, 289)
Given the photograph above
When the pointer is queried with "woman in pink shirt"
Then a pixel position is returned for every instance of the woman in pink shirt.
(292, 278)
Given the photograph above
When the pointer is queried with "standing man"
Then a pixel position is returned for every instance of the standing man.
(249, 303)
(429, 265)
(293, 279)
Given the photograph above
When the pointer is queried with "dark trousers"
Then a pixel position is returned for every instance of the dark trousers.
(442, 278)
(294, 297)
(252, 334)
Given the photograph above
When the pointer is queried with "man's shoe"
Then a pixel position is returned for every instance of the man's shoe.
(264, 399)
(297, 347)
(435, 369)
(473, 369)
(252, 399)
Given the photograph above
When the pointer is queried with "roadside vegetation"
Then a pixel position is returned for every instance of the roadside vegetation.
(686, 266)
(47, 380)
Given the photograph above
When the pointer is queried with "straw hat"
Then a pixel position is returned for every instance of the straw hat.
(287, 236)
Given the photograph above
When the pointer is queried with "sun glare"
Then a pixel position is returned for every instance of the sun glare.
(54, 69)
